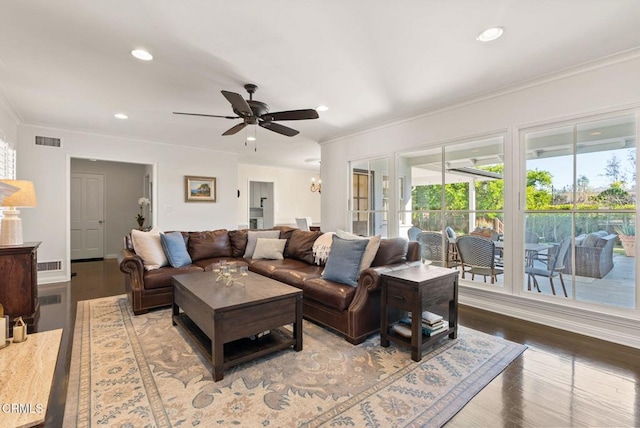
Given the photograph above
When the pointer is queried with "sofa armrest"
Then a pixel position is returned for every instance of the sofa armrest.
(131, 264)
(370, 278)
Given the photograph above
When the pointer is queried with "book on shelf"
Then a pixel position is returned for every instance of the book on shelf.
(429, 317)
(428, 330)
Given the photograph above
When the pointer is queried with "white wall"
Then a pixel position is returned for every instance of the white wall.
(599, 87)
(49, 169)
(291, 193)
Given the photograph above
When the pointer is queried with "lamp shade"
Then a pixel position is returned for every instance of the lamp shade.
(25, 197)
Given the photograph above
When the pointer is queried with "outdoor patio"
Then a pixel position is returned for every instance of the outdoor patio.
(615, 289)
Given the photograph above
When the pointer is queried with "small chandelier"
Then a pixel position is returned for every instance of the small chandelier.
(316, 187)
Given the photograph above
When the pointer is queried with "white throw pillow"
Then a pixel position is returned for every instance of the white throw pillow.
(371, 250)
(271, 249)
(148, 246)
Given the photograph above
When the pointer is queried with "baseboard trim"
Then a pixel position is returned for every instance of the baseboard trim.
(611, 328)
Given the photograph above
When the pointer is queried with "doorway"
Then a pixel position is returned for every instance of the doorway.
(261, 205)
(87, 216)
(101, 215)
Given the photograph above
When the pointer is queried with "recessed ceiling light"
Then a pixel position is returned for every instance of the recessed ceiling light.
(121, 116)
(322, 108)
(490, 34)
(142, 54)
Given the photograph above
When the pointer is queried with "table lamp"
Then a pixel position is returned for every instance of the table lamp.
(11, 228)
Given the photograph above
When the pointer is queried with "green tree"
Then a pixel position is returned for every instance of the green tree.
(539, 186)
(613, 170)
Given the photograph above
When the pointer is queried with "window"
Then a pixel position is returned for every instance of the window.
(580, 187)
(454, 190)
(369, 197)
(7, 160)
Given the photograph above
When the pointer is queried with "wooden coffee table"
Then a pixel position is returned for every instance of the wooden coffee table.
(221, 320)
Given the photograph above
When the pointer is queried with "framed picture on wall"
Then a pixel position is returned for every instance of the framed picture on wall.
(199, 189)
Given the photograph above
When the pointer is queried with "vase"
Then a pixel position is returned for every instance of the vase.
(141, 223)
(629, 244)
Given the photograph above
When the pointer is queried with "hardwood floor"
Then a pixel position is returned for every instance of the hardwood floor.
(562, 380)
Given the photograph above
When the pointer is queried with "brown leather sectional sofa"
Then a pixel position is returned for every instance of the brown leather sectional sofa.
(351, 311)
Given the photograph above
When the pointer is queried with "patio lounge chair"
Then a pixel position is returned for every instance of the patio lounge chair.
(553, 266)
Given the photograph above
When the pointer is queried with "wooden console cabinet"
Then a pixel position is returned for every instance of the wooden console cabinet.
(19, 282)
(415, 290)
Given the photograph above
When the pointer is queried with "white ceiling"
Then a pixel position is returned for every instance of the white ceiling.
(66, 64)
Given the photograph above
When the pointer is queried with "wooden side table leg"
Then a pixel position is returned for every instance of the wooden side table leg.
(217, 349)
(175, 311)
(297, 326)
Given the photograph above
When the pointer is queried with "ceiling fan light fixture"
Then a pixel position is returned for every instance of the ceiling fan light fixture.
(322, 108)
(141, 54)
(490, 34)
(251, 138)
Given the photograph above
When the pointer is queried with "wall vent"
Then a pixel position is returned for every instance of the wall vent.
(49, 266)
(48, 141)
(53, 299)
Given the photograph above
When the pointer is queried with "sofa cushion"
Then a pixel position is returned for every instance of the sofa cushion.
(300, 245)
(268, 267)
(330, 293)
(391, 251)
(238, 240)
(252, 239)
(161, 278)
(208, 244)
(371, 250)
(175, 249)
(343, 264)
(296, 277)
(270, 249)
(149, 247)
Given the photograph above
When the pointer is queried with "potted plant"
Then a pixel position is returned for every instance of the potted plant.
(627, 235)
(140, 217)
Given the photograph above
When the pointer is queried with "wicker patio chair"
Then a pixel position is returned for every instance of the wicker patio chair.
(413, 232)
(432, 248)
(553, 266)
(477, 257)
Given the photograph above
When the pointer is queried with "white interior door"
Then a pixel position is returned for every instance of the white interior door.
(87, 216)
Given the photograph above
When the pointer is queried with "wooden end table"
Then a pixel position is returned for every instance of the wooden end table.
(415, 290)
(220, 320)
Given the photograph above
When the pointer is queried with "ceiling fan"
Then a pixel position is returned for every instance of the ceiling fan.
(254, 112)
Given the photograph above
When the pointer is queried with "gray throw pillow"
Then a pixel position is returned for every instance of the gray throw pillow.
(270, 249)
(252, 240)
(343, 264)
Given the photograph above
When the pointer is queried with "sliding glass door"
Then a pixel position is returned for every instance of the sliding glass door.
(580, 216)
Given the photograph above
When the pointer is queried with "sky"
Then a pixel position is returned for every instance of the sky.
(592, 165)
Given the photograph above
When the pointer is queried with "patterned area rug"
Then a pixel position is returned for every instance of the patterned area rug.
(142, 372)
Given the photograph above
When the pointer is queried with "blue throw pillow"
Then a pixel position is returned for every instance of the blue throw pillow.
(175, 249)
(343, 264)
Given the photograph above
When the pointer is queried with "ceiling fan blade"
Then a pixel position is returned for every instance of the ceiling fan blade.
(238, 103)
(206, 115)
(280, 129)
(235, 129)
(291, 115)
